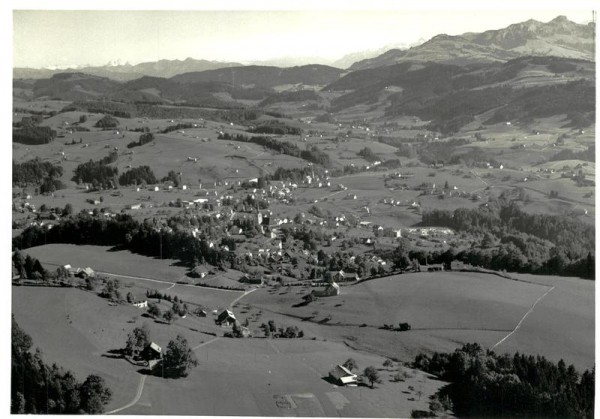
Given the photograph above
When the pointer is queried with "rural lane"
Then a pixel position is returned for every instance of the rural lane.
(135, 399)
(241, 296)
(161, 282)
(522, 319)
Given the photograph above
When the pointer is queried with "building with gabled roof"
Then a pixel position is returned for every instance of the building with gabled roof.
(343, 376)
(226, 318)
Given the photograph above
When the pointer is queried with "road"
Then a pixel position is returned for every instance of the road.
(171, 284)
(241, 296)
(135, 399)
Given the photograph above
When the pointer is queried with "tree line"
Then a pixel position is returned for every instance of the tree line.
(140, 237)
(313, 155)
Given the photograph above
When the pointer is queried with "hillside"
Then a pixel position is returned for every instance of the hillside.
(450, 95)
(560, 37)
(264, 76)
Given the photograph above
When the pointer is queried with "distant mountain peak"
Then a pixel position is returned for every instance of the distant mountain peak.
(559, 37)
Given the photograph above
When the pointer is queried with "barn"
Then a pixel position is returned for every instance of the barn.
(342, 376)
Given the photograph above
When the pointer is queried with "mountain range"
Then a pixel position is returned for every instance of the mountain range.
(558, 37)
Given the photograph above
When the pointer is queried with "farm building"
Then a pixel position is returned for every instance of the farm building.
(140, 304)
(457, 265)
(343, 376)
(331, 290)
(392, 232)
(86, 273)
(151, 352)
(337, 276)
(431, 268)
(254, 278)
(226, 318)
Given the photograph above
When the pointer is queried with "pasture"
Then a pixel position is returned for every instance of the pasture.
(287, 376)
(447, 309)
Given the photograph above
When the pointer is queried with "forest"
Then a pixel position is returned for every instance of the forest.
(34, 135)
(38, 388)
(98, 173)
(514, 240)
(33, 172)
(485, 384)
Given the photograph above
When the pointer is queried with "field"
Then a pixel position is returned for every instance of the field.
(448, 309)
(105, 259)
(288, 374)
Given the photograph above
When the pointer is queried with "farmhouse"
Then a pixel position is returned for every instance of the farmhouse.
(86, 273)
(151, 352)
(342, 376)
(351, 276)
(226, 318)
(457, 265)
(331, 290)
(254, 278)
(140, 304)
(337, 276)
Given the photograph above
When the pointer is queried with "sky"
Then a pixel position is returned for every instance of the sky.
(45, 38)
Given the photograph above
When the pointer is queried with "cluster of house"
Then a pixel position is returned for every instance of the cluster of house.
(23, 206)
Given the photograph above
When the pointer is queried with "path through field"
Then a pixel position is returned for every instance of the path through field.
(522, 319)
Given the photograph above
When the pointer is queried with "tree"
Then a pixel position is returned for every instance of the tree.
(154, 310)
(137, 339)
(29, 266)
(168, 316)
(130, 298)
(82, 119)
(350, 364)
(94, 394)
(179, 358)
(388, 363)
(68, 210)
(19, 263)
(371, 374)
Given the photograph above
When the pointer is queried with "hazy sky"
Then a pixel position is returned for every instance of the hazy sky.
(49, 38)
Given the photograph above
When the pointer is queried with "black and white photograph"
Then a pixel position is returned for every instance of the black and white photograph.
(282, 210)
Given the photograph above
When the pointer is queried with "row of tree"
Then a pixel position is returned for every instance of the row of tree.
(313, 154)
(141, 237)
